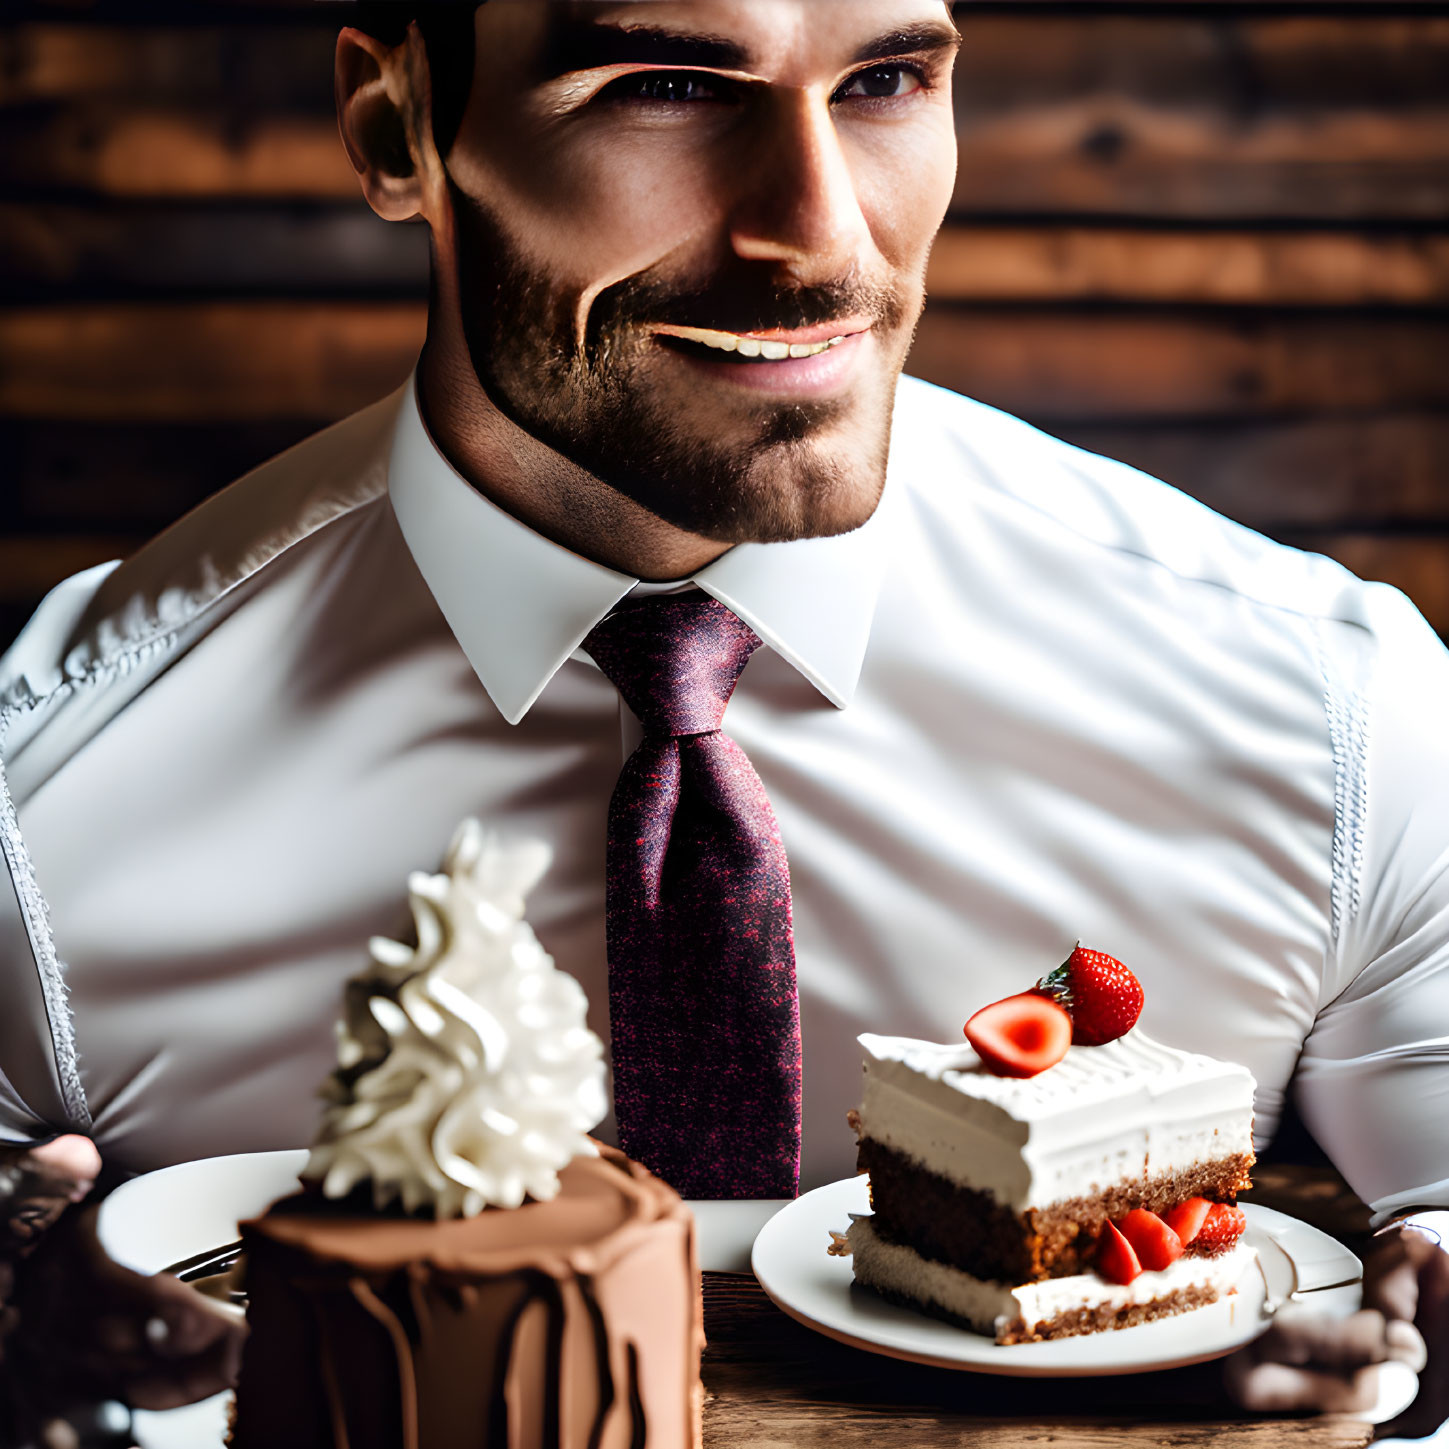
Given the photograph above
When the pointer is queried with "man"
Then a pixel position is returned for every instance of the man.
(993, 694)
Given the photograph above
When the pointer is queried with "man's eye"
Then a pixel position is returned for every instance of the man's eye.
(666, 87)
(883, 82)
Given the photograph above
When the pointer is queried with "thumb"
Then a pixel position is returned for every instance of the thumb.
(38, 1183)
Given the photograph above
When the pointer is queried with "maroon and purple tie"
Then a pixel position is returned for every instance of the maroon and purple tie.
(702, 1001)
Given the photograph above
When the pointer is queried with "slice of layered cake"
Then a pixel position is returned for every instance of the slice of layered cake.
(1040, 1201)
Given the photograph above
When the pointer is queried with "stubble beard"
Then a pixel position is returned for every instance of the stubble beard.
(794, 470)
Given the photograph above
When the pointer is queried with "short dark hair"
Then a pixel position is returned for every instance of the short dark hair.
(447, 30)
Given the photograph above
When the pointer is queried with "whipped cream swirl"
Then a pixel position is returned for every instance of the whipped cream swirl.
(466, 1074)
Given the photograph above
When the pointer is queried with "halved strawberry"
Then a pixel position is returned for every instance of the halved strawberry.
(1155, 1244)
(1102, 995)
(1186, 1218)
(1222, 1227)
(1117, 1260)
(1020, 1036)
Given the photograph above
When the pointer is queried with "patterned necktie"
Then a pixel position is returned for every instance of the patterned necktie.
(702, 1003)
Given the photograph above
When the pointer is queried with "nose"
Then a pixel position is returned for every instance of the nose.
(797, 205)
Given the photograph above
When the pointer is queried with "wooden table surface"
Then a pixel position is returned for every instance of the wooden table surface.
(771, 1383)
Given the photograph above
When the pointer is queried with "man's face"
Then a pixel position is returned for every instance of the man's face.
(653, 200)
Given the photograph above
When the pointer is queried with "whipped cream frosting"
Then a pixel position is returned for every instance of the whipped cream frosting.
(466, 1074)
(1102, 1116)
(894, 1267)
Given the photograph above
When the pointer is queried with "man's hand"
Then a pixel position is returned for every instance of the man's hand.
(76, 1327)
(91, 1329)
(37, 1184)
(1309, 1361)
(1408, 1278)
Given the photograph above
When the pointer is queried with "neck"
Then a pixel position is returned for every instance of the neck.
(536, 484)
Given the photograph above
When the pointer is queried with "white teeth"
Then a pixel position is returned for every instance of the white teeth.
(724, 341)
(757, 347)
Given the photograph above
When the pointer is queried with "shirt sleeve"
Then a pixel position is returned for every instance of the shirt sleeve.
(1373, 1078)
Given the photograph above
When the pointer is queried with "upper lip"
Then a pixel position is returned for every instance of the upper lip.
(821, 333)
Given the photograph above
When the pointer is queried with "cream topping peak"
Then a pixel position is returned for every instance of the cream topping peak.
(466, 1074)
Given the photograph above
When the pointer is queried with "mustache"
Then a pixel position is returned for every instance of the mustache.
(738, 306)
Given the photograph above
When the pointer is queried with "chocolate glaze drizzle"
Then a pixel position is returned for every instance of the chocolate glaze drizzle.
(384, 1334)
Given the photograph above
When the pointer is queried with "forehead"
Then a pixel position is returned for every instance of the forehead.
(784, 40)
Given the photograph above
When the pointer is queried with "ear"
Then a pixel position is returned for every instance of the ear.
(384, 115)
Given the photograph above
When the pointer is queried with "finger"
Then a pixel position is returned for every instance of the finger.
(150, 1378)
(1391, 1272)
(1406, 1345)
(71, 1156)
(159, 1321)
(40, 1184)
(1275, 1388)
(1394, 1294)
(1303, 1337)
(183, 1322)
(184, 1381)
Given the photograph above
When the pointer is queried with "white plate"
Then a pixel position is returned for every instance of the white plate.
(170, 1215)
(794, 1269)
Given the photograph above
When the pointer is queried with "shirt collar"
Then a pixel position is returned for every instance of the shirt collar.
(520, 604)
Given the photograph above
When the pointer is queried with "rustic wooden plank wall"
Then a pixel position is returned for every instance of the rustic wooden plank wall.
(1211, 239)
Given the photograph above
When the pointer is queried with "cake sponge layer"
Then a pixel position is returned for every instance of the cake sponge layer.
(972, 1231)
(1031, 1312)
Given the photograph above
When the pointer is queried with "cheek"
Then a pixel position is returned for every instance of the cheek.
(596, 212)
(905, 181)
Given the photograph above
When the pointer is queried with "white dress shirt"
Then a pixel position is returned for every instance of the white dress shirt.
(1038, 698)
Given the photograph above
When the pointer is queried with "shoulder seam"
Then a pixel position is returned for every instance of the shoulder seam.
(1126, 550)
(136, 649)
(1273, 605)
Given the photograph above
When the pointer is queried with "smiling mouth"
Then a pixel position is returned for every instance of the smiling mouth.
(741, 347)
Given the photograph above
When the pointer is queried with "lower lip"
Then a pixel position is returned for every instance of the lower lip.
(815, 376)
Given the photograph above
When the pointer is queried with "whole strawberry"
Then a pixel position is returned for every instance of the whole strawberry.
(1103, 998)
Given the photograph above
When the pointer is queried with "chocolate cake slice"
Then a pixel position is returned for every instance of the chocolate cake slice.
(573, 1322)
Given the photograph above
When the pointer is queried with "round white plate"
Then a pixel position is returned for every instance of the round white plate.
(167, 1216)
(794, 1269)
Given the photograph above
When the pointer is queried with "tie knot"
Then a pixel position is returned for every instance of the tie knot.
(675, 660)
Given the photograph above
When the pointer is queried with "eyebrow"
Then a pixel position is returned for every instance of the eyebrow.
(575, 45)
(912, 40)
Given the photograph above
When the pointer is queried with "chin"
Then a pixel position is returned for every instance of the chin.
(790, 491)
(807, 474)
(778, 516)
